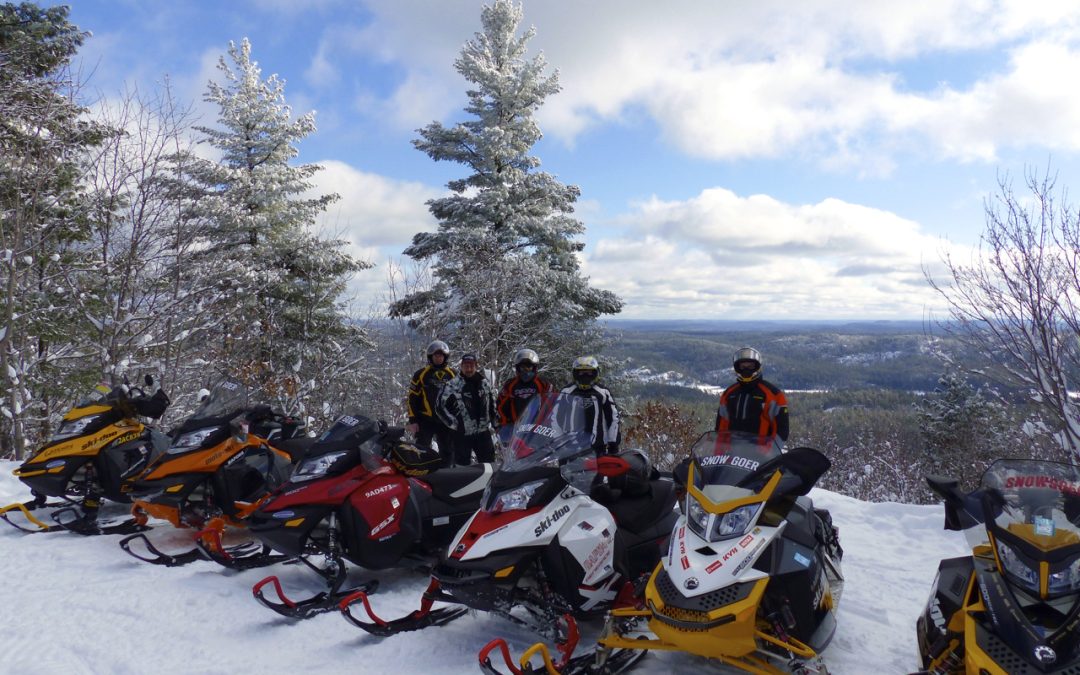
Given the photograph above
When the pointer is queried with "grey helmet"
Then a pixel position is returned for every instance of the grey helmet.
(526, 362)
(438, 346)
(751, 368)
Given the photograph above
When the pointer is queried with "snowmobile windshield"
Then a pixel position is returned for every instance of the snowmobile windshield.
(102, 394)
(552, 431)
(724, 460)
(1031, 507)
(225, 399)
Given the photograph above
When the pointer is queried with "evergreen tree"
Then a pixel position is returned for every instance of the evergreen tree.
(42, 216)
(506, 268)
(278, 284)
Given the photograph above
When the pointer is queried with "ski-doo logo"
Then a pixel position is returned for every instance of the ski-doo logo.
(1045, 655)
(378, 490)
(741, 462)
(691, 583)
(551, 520)
(349, 421)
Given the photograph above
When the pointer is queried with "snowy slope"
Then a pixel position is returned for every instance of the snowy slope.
(77, 605)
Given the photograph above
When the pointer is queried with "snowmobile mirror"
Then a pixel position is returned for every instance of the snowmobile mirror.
(608, 466)
(949, 490)
(239, 428)
(148, 379)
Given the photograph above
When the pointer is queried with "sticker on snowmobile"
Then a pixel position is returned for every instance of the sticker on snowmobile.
(597, 556)
(395, 503)
(1044, 526)
(716, 564)
(551, 520)
(349, 421)
(538, 429)
(741, 462)
(685, 562)
(745, 541)
(802, 560)
(379, 490)
(381, 526)
(441, 520)
(1042, 482)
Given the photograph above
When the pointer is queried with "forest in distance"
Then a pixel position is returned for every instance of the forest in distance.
(888, 402)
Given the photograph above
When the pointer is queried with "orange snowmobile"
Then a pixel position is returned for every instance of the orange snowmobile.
(223, 461)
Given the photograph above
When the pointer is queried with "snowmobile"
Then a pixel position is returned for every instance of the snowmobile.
(1013, 605)
(751, 577)
(552, 538)
(99, 450)
(222, 461)
(364, 496)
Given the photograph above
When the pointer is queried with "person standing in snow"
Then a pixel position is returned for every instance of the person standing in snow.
(752, 404)
(467, 405)
(516, 392)
(601, 414)
(424, 423)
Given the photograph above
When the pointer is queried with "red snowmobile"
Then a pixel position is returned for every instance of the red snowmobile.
(362, 495)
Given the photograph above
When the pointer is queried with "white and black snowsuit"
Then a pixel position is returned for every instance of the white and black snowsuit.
(601, 416)
(467, 405)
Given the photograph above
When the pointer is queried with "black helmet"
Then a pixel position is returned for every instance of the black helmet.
(747, 364)
(586, 369)
(436, 347)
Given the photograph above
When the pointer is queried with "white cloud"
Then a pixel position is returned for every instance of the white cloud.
(730, 80)
(719, 255)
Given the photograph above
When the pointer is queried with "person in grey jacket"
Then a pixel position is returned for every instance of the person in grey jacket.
(467, 405)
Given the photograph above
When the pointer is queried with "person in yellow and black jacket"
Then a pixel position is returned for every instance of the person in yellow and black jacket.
(424, 424)
(752, 404)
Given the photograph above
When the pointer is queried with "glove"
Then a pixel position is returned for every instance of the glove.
(611, 448)
(412, 428)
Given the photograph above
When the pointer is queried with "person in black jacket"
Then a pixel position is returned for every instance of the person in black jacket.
(467, 405)
(601, 414)
(424, 423)
(752, 404)
(516, 392)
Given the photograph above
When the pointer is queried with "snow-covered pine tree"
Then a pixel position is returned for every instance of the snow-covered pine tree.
(506, 272)
(279, 285)
(43, 134)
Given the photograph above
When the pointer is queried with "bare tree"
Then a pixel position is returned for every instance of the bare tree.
(1015, 303)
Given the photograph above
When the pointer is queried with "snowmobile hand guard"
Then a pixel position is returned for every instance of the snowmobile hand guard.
(420, 618)
(565, 649)
(157, 557)
(324, 601)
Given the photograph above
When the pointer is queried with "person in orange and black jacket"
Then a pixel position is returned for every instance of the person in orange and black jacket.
(516, 392)
(424, 424)
(752, 404)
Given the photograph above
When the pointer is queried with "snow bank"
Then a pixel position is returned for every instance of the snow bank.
(78, 605)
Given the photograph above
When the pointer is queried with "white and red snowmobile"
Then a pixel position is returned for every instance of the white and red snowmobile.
(551, 538)
(751, 578)
(362, 495)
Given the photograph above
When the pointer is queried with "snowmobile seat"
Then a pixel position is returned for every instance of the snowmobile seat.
(295, 447)
(459, 483)
(636, 512)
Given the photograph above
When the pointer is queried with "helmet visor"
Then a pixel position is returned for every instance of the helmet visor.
(746, 368)
(585, 376)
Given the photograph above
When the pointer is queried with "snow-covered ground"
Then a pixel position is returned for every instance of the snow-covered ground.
(76, 605)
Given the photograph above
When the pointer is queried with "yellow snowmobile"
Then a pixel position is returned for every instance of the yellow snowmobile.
(99, 450)
(751, 577)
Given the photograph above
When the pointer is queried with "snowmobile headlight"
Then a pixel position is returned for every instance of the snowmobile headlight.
(316, 466)
(1066, 580)
(516, 499)
(1016, 569)
(192, 440)
(696, 517)
(73, 428)
(734, 523)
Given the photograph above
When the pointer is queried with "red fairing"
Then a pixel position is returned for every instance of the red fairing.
(382, 503)
(332, 491)
(484, 522)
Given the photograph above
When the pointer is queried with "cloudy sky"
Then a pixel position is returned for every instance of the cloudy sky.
(736, 160)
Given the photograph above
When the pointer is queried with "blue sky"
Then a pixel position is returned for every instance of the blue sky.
(774, 160)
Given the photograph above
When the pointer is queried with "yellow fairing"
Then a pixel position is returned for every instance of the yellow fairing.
(975, 659)
(90, 445)
(730, 504)
(734, 638)
(79, 413)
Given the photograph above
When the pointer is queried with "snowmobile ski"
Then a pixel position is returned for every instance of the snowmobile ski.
(246, 556)
(324, 601)
(25, 508)
(155, 556)
(593, 663)
(420, 618)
